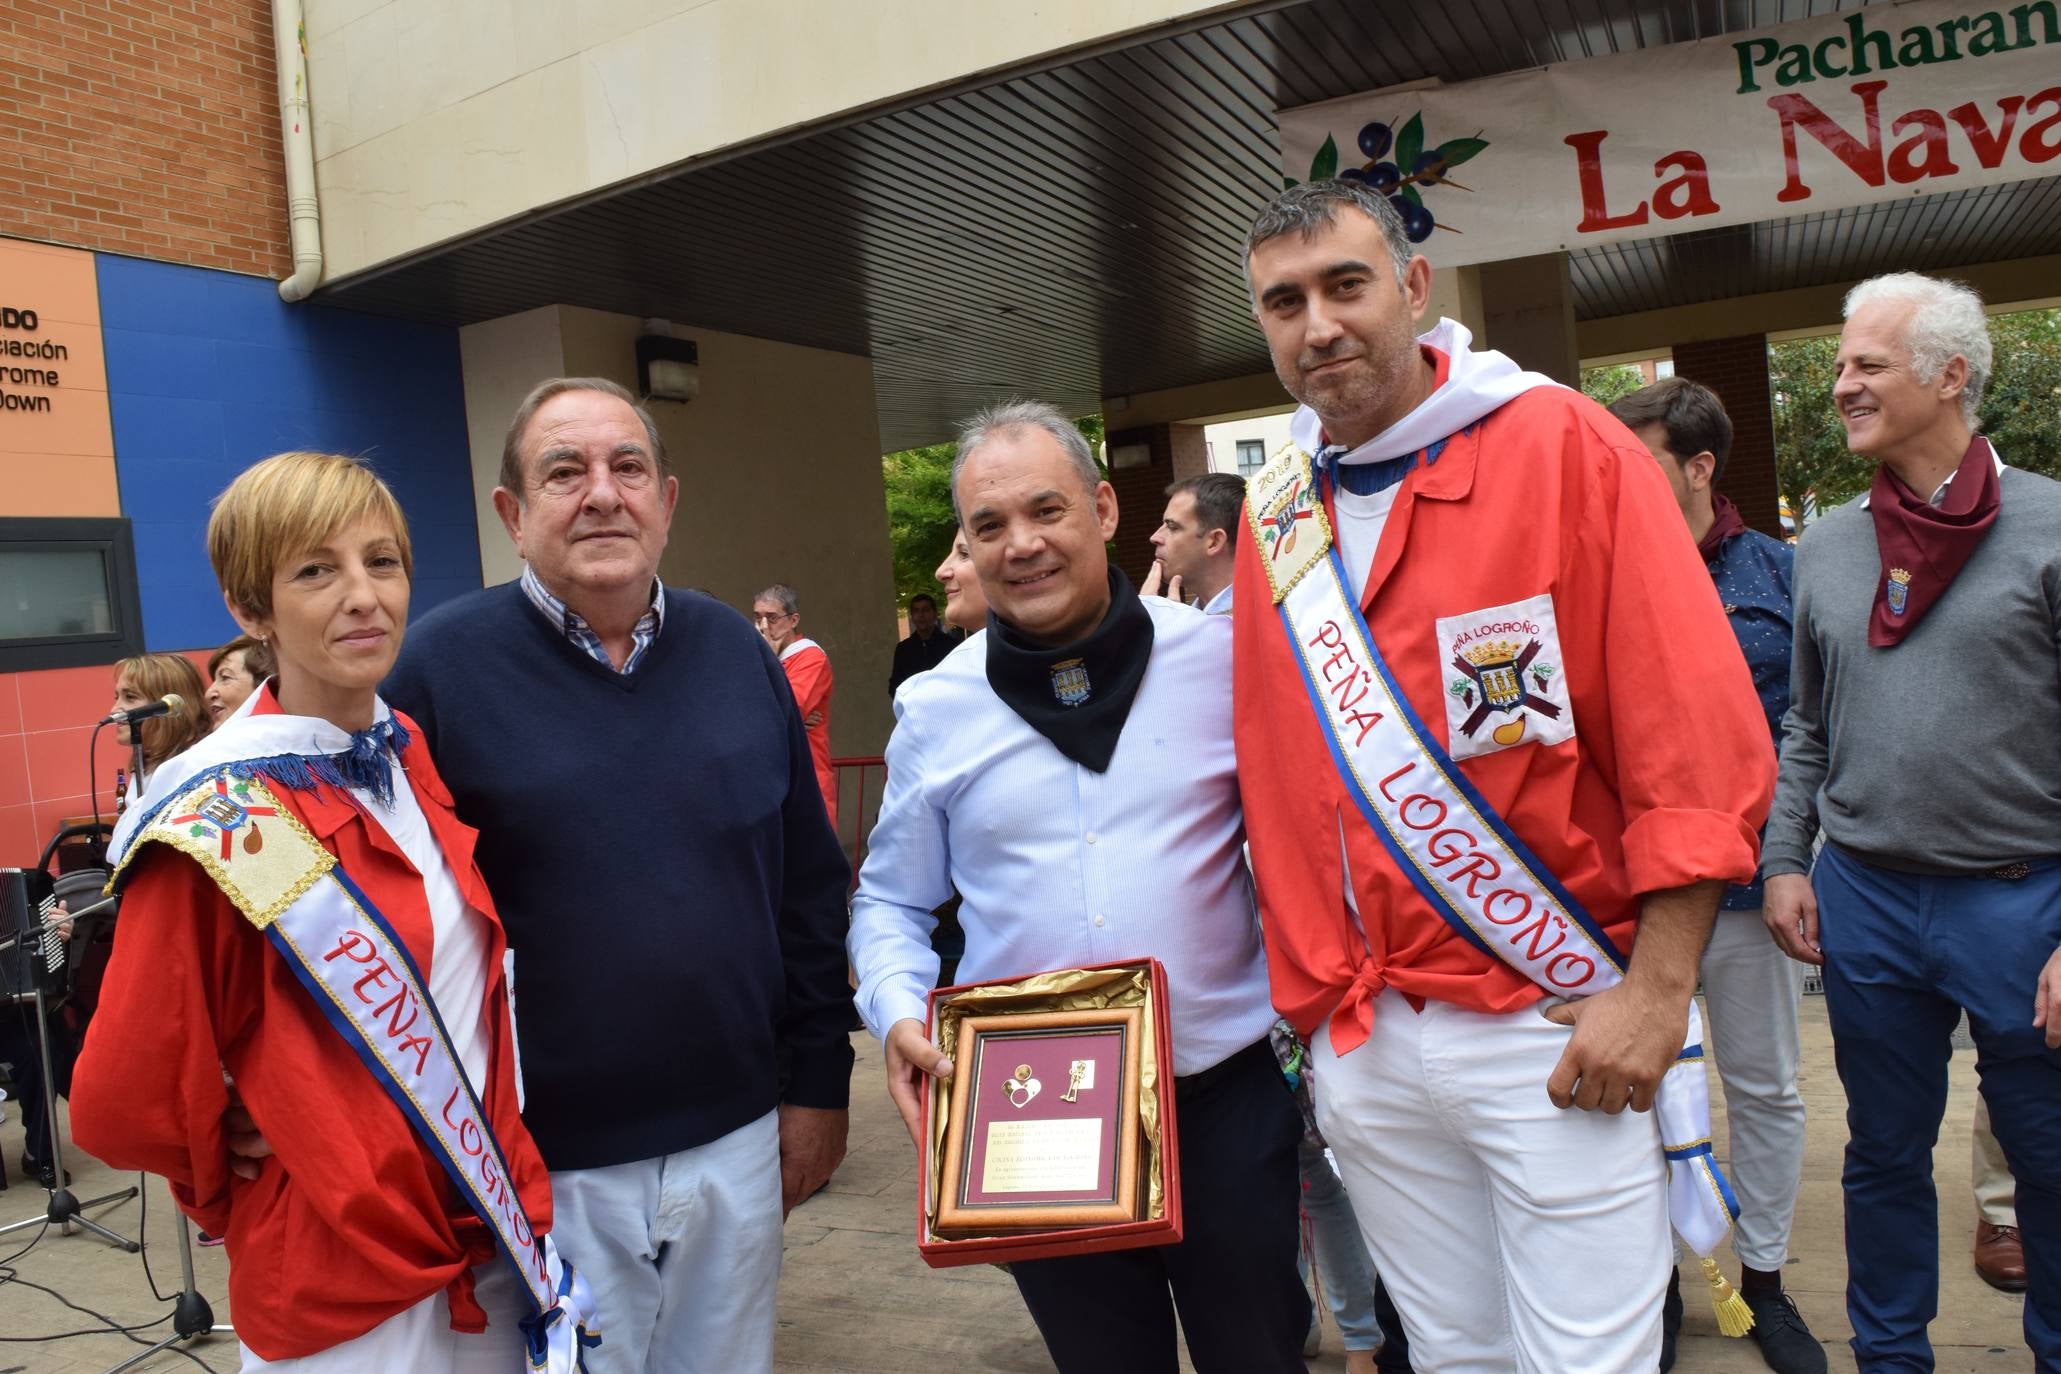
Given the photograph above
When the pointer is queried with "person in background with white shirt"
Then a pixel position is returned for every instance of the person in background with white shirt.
(1196, 540)
(1075, 780)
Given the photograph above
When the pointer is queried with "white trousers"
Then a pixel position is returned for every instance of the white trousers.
(1750, 990)
(421, 1340)
(1996, 1192)
(682, 1253)
(1515, 1238)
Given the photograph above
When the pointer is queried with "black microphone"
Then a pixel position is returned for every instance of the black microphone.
(169, 702)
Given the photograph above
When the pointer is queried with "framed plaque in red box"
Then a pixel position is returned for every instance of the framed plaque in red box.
(1055, 1134)
(1047, 1111)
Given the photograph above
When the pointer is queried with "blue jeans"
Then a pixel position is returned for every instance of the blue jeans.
(1344, 1270)
(1904, 955)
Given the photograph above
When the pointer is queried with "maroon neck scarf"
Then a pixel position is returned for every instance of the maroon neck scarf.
(1922, 545)
(1728, 523)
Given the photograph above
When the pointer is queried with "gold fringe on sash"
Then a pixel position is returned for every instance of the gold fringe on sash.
(1734, 1317)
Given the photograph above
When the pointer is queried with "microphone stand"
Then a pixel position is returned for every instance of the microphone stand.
(191, 1314)
(64, 1210)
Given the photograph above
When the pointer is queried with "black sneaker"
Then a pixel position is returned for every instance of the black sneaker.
(1670, 1320)
(1785, 1342)
(43, 1171)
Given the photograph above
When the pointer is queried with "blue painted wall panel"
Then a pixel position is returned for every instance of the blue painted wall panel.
(207, 372)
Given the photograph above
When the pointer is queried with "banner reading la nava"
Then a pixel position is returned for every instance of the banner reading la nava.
(1849, 109)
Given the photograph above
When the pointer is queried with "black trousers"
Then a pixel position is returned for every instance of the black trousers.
(1233, 1275)
(21, 1048)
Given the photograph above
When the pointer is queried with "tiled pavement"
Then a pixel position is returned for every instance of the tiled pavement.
(855, 1299)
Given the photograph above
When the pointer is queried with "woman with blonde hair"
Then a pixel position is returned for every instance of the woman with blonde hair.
(305, 1023)
(142, 680)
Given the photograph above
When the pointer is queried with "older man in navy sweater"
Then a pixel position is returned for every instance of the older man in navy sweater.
(652, 831)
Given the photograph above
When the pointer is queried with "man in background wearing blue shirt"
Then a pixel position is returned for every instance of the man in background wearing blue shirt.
(1075, 780)
(1750, 985)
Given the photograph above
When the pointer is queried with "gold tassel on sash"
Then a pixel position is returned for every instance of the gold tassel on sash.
(1734, 1317)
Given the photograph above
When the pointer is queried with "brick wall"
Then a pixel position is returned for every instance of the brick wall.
(1141, 491)
(1737, 370)
(146, 129)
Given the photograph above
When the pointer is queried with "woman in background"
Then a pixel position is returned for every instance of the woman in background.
(966, 605)
(234, 672)
(142, 680)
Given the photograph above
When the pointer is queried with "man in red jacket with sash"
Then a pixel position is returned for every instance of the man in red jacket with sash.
(1499, 753)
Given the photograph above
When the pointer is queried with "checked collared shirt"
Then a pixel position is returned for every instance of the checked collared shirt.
(581, 633)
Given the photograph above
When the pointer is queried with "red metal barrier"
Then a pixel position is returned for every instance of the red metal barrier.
(861, 771)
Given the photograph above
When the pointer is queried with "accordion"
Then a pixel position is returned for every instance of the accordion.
(31, 950)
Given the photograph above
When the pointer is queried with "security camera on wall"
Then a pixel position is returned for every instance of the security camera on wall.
(668, 369)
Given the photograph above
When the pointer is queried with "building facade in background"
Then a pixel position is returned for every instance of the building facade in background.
(146, 357)
(815, 232)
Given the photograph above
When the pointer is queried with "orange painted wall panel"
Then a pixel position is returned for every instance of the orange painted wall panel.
(47, 484)
(56, 439)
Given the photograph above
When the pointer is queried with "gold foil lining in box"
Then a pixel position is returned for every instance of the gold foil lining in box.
(1060, 990)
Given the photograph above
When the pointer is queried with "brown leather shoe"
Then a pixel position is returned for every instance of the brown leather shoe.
(2000, 1257)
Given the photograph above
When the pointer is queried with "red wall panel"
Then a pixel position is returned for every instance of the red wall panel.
(46, 721)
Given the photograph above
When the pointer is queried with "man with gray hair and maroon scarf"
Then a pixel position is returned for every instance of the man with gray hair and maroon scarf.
(1924, 735)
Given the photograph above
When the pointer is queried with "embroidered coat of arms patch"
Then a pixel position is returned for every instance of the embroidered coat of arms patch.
(1505, 687)
(1070, 681)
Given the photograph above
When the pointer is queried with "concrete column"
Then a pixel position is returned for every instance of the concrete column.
(1527, 309)
(1456, 295)
(1737, 370)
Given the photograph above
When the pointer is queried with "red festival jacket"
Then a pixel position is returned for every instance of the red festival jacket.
(1664, 782)
(808, 673)
(352, 1220)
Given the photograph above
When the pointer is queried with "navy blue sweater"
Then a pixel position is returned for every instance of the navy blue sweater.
(661, 858)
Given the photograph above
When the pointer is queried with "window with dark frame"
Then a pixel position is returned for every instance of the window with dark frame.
(1252, 456)
(68, 594)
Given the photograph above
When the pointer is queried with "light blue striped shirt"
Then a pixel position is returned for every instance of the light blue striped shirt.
(581, 633)
(1061, 866)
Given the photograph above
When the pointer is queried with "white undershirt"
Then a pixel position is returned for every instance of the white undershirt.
(1360, 522)
(458, 962)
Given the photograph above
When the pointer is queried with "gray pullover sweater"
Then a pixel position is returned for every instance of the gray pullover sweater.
(1943, 754)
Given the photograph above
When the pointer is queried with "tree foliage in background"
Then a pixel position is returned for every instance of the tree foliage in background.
(2021, 411)
(919, 515)
(920, 523)
(1605, 385)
